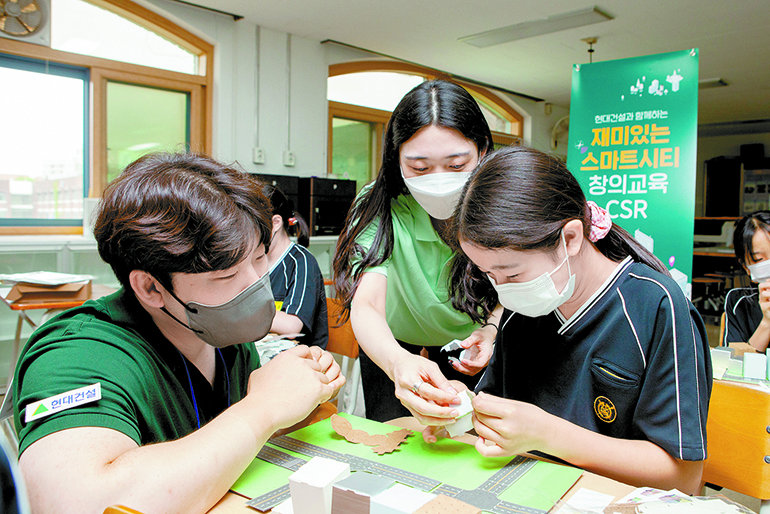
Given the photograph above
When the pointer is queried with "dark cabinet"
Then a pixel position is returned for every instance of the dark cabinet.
(324, 203)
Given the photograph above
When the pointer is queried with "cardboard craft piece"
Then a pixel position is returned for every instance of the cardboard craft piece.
(442, 504)
(34, 293)
(311, 485)
(741, 348)
(381, 443)
(464, 421)
(353, 494)
(399, 499)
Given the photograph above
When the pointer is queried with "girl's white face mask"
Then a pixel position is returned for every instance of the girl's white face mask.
(438, 193)
(760, 271)
(537, 297)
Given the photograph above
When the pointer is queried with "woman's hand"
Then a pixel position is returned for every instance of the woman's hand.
(478, 350)
(429, 433)
(423, 390)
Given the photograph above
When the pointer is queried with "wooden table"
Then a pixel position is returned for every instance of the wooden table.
(233, 503)
(97, 291)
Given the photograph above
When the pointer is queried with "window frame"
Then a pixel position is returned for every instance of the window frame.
(199, 87)
(381, 117)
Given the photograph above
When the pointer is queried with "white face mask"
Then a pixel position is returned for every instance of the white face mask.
(760, 271)
(537, 297)
(438, 193)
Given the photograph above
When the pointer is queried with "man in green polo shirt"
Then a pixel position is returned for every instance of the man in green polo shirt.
(153, 397)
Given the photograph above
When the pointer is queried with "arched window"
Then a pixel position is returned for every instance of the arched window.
(105, 82)
(362, 96)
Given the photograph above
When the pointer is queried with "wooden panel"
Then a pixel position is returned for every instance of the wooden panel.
(738, 440)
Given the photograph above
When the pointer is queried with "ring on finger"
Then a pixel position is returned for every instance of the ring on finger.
(416, 387)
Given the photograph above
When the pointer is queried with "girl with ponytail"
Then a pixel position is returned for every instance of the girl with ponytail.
(296, 278)
(600, 361)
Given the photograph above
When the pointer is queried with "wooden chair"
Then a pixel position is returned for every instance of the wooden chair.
(738, 432)
(722, 329)
(120, 509)
(343, 342)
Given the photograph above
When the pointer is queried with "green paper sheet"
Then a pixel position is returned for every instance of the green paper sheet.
(453, 462)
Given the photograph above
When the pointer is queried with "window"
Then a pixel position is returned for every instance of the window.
(150, 83)
(43, 172)
(362, 95)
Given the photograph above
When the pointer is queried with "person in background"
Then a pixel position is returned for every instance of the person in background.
(393, 260)
(747, 309)
(295, 278)
(601, 361)
(153, 397)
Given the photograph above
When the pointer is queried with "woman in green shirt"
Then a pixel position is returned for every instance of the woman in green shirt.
(393, 263)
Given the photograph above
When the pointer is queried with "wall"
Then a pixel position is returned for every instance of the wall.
(261, 97)
(716, 146)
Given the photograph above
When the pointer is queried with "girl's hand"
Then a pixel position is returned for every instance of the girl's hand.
(508, 427)
(764, 299)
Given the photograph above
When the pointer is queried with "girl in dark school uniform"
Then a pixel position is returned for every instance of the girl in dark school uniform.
(601, 361)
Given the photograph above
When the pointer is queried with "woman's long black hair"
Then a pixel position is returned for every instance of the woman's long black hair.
(436, 102)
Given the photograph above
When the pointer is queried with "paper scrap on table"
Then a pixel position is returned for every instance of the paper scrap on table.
(381, 444)
(587, 501)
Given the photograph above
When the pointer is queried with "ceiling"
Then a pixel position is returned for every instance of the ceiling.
(733, 38)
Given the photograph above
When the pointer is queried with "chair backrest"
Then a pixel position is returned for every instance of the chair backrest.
(342, 340)
(738, 439)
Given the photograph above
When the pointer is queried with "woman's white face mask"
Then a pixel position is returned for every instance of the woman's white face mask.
(536, 297)
(437, 193)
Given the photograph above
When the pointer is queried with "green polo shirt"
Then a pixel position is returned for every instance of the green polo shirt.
(149, 391)
(418, 310)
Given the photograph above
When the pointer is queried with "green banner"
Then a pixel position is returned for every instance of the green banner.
(632, 146)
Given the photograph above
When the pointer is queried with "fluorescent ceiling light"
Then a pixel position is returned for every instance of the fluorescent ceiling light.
(709, 83)
(555, 23)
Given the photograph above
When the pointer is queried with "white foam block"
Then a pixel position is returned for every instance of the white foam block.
(755, 366)
(735, 367)
(720, 356)
(311, 485)
(399, 499)
(464, 421)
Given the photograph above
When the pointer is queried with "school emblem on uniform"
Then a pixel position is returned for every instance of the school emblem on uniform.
(605, 409)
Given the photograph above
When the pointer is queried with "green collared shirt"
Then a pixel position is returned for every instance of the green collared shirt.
(418, 310)
(150, 392)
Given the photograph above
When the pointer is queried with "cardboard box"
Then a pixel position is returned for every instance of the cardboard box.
(22, 293)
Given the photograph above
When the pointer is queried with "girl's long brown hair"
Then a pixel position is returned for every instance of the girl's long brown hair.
(519, 198)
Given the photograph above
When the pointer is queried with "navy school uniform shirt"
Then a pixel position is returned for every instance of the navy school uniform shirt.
(742, 314)
(632, 363)
(297, 281)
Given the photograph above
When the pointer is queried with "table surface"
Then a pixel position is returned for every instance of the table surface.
(97, 291)
(233, 503)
